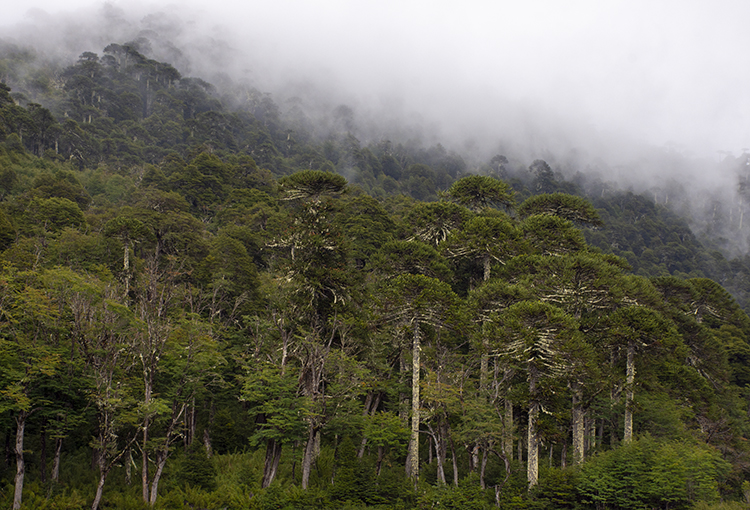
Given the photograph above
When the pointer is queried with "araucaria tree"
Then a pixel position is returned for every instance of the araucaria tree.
(409, 303)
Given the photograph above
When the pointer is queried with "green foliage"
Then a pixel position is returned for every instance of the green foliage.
(646, 474)
(195, 469)
(287, 307)
(568, 207)
(477, 192)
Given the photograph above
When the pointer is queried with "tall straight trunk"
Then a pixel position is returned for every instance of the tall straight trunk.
(577, 423)
(412, 468)
(309, 455)
(487, 262)
(508, 429)
(20, 464)
(532, 443)
(271, 463)
(144, 462)
(207, 443)
(454, 460)
(56, 461)
(629, 380)
(440, 471)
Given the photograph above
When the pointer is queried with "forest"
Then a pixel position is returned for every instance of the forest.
(207, 301)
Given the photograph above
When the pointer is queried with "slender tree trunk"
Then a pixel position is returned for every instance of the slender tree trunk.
(144, 462)
(532, 456)
(309, 455)
(508, 429)
(56, 462)
(207, 442)
(440, 466)
(20, 464)
(578, 425)
(160, 463)
(412, 468)
(629, 380)
(271, 463)
(487, 262)
(100, 485)
(454, 460)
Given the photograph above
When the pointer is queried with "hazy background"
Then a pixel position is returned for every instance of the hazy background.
(624, 81)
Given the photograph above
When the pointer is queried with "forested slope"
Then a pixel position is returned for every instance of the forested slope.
(207, 302)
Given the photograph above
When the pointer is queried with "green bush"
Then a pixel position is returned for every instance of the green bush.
(646, 474)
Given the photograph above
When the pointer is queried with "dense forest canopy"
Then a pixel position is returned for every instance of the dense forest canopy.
(205, 303)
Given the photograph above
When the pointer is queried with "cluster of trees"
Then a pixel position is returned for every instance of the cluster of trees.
(230, 322)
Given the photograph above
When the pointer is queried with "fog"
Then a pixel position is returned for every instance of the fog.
(631, 83)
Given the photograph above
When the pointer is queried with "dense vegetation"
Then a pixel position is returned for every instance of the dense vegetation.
(206, 302)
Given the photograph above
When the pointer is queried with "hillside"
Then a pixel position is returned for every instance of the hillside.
(245, 307)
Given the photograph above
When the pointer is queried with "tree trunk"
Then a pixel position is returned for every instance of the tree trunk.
(412, 468)
(440, 459)
(474, 457)
(271, 464)
(309, 455)
(578, 426)
(99, 488)
(454, 460)
(160, 463)
(508, 429)
(487, 262)
(629, 380)
(20, 465)
(532, 444)
(144, 462)
(207, 442)
(56, 462)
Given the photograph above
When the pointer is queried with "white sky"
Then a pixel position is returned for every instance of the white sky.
(657, 71)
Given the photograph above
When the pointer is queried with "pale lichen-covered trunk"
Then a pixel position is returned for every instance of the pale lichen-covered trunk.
(56, 462)
(412, 467)
(629, 393)
(160, 463)
(532, 455)
(20, 464)
(99, 490)
(577, 424)
(310, 453)
(508, 429)
(144, 462)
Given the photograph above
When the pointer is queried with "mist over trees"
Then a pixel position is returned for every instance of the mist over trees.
(210, 297)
